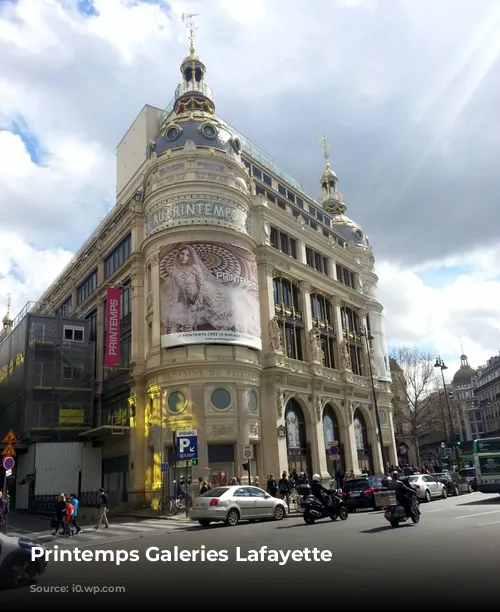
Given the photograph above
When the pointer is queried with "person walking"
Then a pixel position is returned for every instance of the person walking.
(60, 514)
(68, 518)
(272, 487)
(74, 500)
(284, 489)
(102, 506)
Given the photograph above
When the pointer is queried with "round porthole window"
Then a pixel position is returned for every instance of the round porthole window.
(177, 402)
(252, 401)
(220, 399)
(359, 234)
(209, 131)
(173, 133)
(236, 144)
(382, 417)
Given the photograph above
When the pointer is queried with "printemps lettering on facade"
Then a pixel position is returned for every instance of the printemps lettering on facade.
(199, 210)
(219, 373)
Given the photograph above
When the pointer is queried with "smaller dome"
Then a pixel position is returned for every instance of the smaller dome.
(465, 374)
(349, 230)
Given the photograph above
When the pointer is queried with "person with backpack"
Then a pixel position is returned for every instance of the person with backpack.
(76, 503)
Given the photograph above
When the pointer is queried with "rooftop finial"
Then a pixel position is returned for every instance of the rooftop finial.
(9, 301)
(187, 18)
(326, 150)
(461, 345)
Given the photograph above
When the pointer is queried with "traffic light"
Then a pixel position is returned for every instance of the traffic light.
(246, 467)
(459, 442)
(194, 461)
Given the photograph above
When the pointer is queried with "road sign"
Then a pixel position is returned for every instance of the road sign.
(8, 463)
(186, 444)
(333, 450)
(8, 473)
(448, 452)
(194, 461)
(9, 451)
(164, 467)
(443, 444)
(247, 452)
(10, 438)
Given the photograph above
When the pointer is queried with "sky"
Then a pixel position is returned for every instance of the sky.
(407, 93)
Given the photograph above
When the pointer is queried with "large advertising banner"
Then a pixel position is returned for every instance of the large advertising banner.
(209, 294)
(377, 328)
(112, 353)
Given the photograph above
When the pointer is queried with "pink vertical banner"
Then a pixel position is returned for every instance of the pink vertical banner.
(112, 355)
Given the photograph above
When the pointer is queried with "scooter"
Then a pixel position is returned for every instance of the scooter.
(396, 514)
(314, 510)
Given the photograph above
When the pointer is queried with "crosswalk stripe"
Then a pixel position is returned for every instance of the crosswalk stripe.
(133, 527)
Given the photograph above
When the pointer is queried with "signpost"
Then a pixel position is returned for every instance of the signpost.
(334, 450)
(8, 464)
(164, 467)
(448, 452)
(186, 449)
(247, 452)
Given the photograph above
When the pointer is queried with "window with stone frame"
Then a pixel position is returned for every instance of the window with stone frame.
(323, 318)
(351, 326)
(288, 310)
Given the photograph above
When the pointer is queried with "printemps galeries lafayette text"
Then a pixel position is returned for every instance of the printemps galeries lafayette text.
(182, 555)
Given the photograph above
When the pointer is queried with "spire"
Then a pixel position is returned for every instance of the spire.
(7, 321)
(332, 199)
(193, 94)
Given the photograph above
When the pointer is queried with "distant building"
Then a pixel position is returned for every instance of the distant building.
(406, 445)
(47, 397)
(464, 403)
(487, 395)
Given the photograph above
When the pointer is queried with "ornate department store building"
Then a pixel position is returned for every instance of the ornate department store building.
(243, 308)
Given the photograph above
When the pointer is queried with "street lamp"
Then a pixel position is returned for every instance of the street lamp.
(368, 338)
(440, 364)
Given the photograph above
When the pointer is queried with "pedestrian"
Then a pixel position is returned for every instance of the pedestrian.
(256, 482)
(60, 513)
(102, 506)
(76, 503)
(284, 489)
(203, 488)
(4, 510)
(272, 487)
(68, 518)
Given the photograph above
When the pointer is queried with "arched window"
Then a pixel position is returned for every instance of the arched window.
(296, 437)
(323, 319)
(288, 309)
(363, 447)
(351, 327)
(331, 435)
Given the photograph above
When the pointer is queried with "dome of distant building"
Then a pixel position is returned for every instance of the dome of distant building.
(465, 374)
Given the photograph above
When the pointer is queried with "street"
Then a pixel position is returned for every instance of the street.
(451, 556)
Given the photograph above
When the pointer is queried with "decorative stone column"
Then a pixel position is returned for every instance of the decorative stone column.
(154, 397)
(155, 288)
(318, 441)
(138, 446)
(349, 438)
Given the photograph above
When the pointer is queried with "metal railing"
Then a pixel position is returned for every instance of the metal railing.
(193, 87)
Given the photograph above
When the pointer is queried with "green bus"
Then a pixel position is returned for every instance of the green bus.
(487, 464)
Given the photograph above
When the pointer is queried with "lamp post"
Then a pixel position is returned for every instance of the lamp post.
(440, 364)
(368, 337)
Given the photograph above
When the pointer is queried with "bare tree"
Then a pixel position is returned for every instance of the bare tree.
(415, 403)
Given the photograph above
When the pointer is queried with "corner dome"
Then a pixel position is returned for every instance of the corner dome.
(465, 374)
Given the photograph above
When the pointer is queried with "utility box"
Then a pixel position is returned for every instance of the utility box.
(383, 499)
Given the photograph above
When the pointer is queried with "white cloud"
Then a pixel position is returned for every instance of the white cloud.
(77, 82)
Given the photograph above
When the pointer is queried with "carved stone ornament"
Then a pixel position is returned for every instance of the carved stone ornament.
(315, 350)
(155, 259)
(280, 403)
(319, 407)
(190, 147)
(254, 430)
(345, 357)
(350, 412)
(275, 336)
(373, 363)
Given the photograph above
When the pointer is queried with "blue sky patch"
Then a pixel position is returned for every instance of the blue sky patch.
(438, 277)
(32, 145)
(86, 7)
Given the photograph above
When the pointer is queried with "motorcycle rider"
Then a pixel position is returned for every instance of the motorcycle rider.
(404, 493)
(317, 489)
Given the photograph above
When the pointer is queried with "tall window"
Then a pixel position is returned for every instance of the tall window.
(87, 287)
(351, 328)
(283, 242)
(65, 307)
(317, 261)
(346, 277)
(118, 256)
(323, 319)
(288, 309)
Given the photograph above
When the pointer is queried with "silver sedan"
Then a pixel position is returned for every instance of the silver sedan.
(427, 487)
(232, 504)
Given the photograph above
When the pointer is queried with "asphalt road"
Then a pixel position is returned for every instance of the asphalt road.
(450, 559)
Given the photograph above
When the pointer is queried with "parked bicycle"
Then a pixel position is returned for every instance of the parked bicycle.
(173, 506)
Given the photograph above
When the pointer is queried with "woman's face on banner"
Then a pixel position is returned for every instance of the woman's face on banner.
(184, 257)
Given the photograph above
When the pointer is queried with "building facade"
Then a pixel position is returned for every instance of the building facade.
(464, 401)
(407, 446)
(487, 396)
(246, 310)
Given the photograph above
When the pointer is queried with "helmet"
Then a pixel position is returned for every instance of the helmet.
(317, 478)
(395, 475)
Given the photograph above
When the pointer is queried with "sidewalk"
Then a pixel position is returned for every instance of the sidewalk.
(149, 513)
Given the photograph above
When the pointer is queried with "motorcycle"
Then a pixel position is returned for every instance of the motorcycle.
(315, 510)
(396, 514)
(303, 491)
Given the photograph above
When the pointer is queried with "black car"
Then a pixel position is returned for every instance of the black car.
(470, 474)
(359, 492)
(455, 483)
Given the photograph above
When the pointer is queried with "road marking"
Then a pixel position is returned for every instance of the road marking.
(134, 527)
(87, 536)
(440, 510)
(478, 514)
(490, 523)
